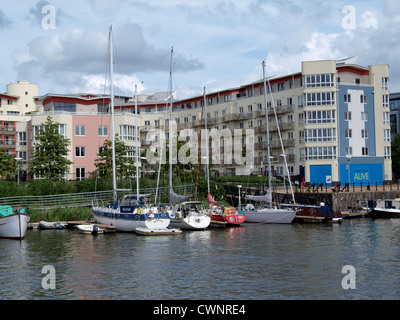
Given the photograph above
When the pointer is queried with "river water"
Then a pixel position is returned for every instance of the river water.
(253, 262)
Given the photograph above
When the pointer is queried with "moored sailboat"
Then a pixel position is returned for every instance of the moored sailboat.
(131, 211)
(266, 213)
(220, 216)
(183, 214)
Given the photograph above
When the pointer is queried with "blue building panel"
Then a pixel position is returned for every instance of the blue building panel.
(361, 173)
(321, 174)
(369, 124)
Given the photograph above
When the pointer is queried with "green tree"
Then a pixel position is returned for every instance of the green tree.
(396, 155)
(124, 164)
(8, 165)
(49, 157)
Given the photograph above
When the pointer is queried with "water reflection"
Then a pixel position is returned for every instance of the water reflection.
(250, 262)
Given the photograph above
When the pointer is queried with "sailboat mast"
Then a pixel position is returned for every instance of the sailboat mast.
(170, 122)
(112, 114)
(136, 145)
(267, 128)
(207, 151)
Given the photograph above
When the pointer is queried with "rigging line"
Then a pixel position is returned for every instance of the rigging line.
(101, 111)
(280, 138)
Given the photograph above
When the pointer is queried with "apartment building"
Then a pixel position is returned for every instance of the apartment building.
(394, 114)
(333, 116)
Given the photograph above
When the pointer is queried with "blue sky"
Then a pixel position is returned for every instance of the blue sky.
(217, 44)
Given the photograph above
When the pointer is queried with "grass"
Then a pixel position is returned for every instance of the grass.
(61, 214)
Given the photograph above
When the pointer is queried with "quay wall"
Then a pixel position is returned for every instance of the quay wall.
(343, 200)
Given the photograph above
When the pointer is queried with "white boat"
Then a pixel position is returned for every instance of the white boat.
(157, 232)
(130, 212)
(13, 225)
(386, 208)
(267, 213)
(184, 214)
(51, 225)
(90, 229)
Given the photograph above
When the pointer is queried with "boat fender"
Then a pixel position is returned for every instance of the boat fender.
(139, 210)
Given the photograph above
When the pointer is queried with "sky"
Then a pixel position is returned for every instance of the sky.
(62, 46)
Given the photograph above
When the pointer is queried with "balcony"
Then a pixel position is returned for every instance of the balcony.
(7, 130)
(8, 143)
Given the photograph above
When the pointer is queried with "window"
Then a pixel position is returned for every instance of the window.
(364, 116)
(80, 131)
(385, 101)
(321, 135)
(349, 151)
(127, 133)
(63, 106)
(320, 99)
(281, 86)
(320, 153)
(347, 115)
(22, 138)
(102, 108)
(364, 151)
(80, 173)
(363, 98)
(386, 118)
(385, 83)
(319, 80)
(386, 135)
(300, 101)
(80, 152)
(348, 133)
(347, 98)
(387, 153)
(364, 134)
(321, 116)
(102, 131)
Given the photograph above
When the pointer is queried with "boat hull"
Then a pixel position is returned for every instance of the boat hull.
(157, 232)
(191, 222)
(89, 229)
(378, 213)
(14, 226)
(129, 222)
(274, 216)
(227, 220)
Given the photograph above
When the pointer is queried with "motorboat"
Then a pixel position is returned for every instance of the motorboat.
(386, 208)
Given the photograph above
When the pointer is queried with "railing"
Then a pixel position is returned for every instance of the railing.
(86, 199)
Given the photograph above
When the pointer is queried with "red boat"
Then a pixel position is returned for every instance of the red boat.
(224, 217)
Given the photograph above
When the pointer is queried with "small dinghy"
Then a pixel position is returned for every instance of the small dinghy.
(51, 225)
(90, 229)
(157, 232)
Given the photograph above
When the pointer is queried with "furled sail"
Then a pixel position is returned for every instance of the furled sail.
(210, 200)
(175, 198)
